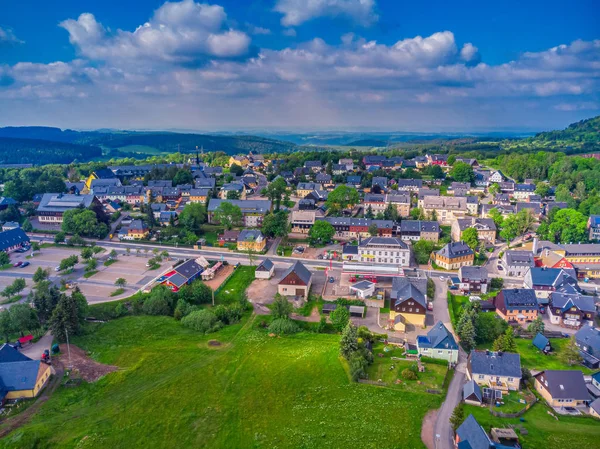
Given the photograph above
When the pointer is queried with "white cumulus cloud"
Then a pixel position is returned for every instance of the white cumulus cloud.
(296, 12)
(7, 37)
(178, 32)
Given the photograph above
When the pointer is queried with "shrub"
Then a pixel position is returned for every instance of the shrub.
(120, 310)
(204, 321)
(358, 366)
(156, 305)
(408, 374)
(283, 326)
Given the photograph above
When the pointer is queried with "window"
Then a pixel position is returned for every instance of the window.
(440, 351)
(481, 376)
(510, 379)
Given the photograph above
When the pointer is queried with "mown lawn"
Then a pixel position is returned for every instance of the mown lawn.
(543, 430)
(236, 285)
(533, 358)
(253, 391)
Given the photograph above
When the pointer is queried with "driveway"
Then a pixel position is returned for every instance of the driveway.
(34, 351)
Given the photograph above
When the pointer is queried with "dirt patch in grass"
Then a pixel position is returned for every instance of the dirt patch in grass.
(428, 429)
(219, 277)
(214, 343)
(88, 369)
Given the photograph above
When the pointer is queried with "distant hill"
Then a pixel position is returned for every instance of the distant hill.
(46, 145)
(584, 131)
(368, 143)
(36, 151)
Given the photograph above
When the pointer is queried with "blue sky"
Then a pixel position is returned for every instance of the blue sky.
(294, 64)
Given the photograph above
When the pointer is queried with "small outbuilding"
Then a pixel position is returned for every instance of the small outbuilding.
(363, 289)
(472, 393)
(328, 308)
(265, 270)
(357, 311)
(542, 343)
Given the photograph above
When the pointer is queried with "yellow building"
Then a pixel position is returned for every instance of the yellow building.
(251, 240)
(199, 195)
(562, 388)
(137, 230)
(497, 370)
(453, 256)
(20, 376)
(408, 304)
(242, 161)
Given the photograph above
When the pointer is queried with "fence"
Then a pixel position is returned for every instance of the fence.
(218, 289)
(512, 415)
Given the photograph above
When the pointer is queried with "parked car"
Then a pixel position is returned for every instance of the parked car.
(17, 264)
(56, 268)
(429, 305)
(25, 264)
(500, 268)
(331, 280)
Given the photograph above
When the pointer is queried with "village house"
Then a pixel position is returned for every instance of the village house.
(253, 211)
(544, 281)
(459, 188)
(20, 376)
(593, 226)
(517, 263)
(199, 195)
(228, 237)
(265, 270)
(542, 343)
(410, 185)
(305, 188)
(439, 343)
(251, 240)
(13, 239)
(470, 435)
(562, 388)
(473, 280)
(445, 208)
(375, 201)
(408, 303)
(233, 188)
(182, 274)
(384, 250)
(302, 221)
(295, 282)
(373, 161)
(352, 228)
(588, 341)
(137, 230)
(472, 393)
(379, 181)
(571, 310)
(496, 177)
(53, 205)
(517, 305)
(242, 161)
(453, 256)
(523, 191)
(401, 202)
(363, 289)
(348, 163)
(485, 227)
(495, 370)
(314, 166)
(416, 230)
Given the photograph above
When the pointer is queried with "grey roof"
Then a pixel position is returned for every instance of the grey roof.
(596, 406)
(439, 337)
(470, 431)
(473, 273)
(519, 298)
(59, 202)
(302, 272)
(20, 375)
(233, 186)
(362, 285)
(471, 388)
(189, 268)
(138, 225)
(565, 301)
(418, 183)
(12, 237)
(519, 258)
(551, 277)
(205, 182)
(564, 384)
(477, 223)
(200, 192)
(265, 265)
(540, 342)
(247, 206)
(9, 353)
(160, 183)
(398, 198)
(423, 192)
(388, 241)
(374, 198)
(350, 250)
(249, 235)
(590, 337)
(536, 208)
(506, 364)
(404, 288)
(380, 181)
(455, 249)
(419, 226)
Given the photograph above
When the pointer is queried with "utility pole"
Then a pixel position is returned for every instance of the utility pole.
(213, 297)
(68, 348)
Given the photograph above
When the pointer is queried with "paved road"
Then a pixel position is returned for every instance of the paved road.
(443, 429)
(35, 350)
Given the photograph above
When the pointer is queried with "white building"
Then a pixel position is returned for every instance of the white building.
(384, 250)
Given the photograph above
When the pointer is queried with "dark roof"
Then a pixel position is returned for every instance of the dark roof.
(495, 363)
(104, 173)
(404, 288)
(350, 250)
(247, 206)
(265, 265)
(438, 338)
(21, 375)
(473, 273)
(188, 268)
(540, 342)
(472, 433)
(517, 298)
(519, 258)
(301, 271)
(362, 285)
(596, 406)
(471, 388)
(12, 237)
(388, 241)
(455, 249)
(59, 202)
(565, 301)
(419, 226)
(564, 384)
(589, 336)
(9, 353)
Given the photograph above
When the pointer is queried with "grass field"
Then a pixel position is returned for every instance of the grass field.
(533, 358)
(253, 391)
(543, 431)
(236, 285)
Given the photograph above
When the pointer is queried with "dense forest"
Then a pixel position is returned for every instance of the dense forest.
(33, 151)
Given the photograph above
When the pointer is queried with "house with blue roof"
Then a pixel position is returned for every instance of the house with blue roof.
(588, 341)
(439, 343)
(544, 281)
(20, 377)
(542, 343)
(472, 393)
(470, 435)
(495, 370)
